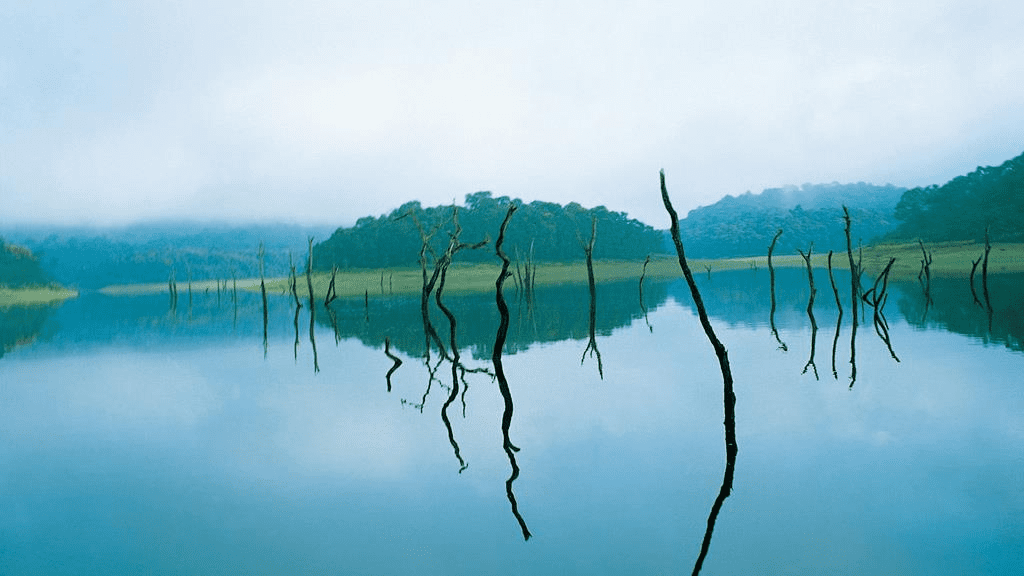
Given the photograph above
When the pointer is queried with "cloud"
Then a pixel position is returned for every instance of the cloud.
(321, 111)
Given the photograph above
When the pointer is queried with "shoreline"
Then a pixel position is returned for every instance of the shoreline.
(950, 259)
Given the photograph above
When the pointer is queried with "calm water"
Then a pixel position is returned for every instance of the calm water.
(135, 439)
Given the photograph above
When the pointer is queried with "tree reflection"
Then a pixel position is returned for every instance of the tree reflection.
(453, 347)
(642, 307)
(499, 372)
(839, 320)
(397, 361)
(810, 309)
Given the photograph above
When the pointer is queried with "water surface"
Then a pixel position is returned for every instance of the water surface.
(139, 439)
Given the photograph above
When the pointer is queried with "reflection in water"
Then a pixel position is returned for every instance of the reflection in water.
(925, 275)
(814, 338)
(1002, 324)
(499, 372)
(853, 348)
(839, 320)
(642, 307)
(455, 366)
(810, 310)
(855, 272)
(312, 336)
(21, 325)
(295, 346)
(877, 297)
(728, 395)
(397, 361)
(882, 329)
(835, 344)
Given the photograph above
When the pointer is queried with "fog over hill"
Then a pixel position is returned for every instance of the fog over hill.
(744, 225)
(93, 257)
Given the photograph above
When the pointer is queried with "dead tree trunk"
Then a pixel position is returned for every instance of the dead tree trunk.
(925, 275)
(261, 255)
(810, 308)
(974, 268)
(332, 294)
(839, 320)
(588, 249)
(293, 281)
(172, 288)
(810, 275)
(729, 397)
(854, 283)
(643, 308)
(984, 273)
(771, 276)
(499, 371)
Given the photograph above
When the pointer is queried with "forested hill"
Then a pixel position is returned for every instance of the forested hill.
(20, 268)
(744, 225)
(961, 209)
(554, 232)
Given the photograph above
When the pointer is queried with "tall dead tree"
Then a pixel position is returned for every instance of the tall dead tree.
(728, 396)
(588, 249)
(172, 289)
(854, 294)
(261, 256)
(925, 275)
(332, 293)
(974, 268)
(430, 334)
(293, 281)
(771, 276)
(499, 370)
(643, 273)
(984, 274)
(839, 320)
(810, 308)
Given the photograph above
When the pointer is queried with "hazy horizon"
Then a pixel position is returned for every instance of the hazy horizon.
(319, 114)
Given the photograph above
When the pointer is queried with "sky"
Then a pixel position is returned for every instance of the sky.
(320, 112)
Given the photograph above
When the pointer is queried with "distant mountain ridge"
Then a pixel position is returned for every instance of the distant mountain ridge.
(744, 225)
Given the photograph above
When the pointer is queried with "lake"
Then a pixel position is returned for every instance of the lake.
(140, 439)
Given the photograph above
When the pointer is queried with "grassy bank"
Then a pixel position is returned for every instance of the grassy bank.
(33, 296)
(949, 260)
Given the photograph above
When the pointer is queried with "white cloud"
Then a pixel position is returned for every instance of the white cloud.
(278, 110)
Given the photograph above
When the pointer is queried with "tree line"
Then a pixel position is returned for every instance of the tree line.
(744, 225)
(989, 198)
(544, 232)
(20, 268)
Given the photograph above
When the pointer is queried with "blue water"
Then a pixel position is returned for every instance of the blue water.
(156, 450)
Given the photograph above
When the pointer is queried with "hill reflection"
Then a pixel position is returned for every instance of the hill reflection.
(740, 298)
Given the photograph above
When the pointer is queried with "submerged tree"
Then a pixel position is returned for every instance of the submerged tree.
(810, 308)
(839, 320)
(588, 249)
(499, 371)
(771, 276)
(728, 396)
